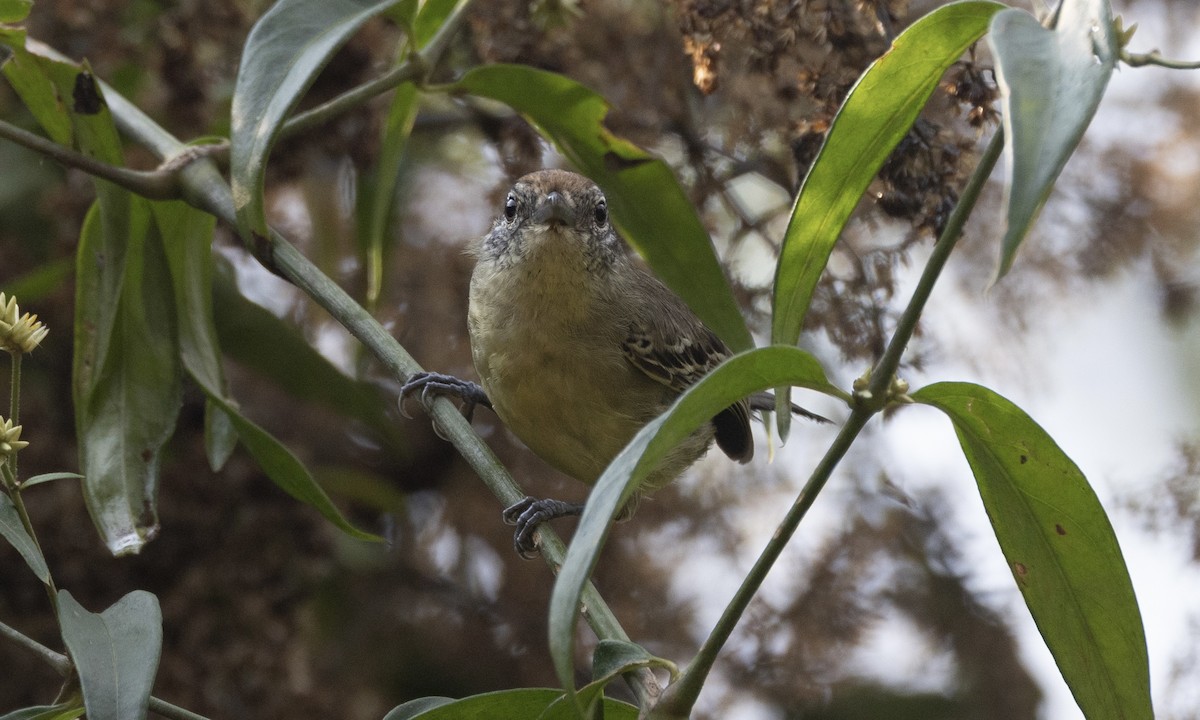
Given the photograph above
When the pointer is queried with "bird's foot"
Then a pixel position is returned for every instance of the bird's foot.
(428, 384)
(528, 513)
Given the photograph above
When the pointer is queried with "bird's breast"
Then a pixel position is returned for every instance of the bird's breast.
(550, 359)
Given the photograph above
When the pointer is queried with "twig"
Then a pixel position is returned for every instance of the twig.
(156, 184)
(1154, 58)
(61, 663)
(167, 710)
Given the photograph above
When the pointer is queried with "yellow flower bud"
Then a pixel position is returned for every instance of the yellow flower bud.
(19, 333)
(10, 440)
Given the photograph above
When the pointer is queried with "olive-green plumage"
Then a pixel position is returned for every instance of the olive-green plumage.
(577, 345)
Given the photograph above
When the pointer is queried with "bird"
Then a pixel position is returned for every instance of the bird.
(578, 346)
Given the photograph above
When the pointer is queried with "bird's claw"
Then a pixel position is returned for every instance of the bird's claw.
(527, 514)
(430, 384)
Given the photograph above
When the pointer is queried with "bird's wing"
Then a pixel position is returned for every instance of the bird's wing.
(672, 346)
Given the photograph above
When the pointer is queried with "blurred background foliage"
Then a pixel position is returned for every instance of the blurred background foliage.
(270, 612)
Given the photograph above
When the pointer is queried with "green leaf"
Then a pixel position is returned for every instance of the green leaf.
(414, 708)
(14, 11)
(187, 235)
(382, 195)
(736, 378)
(30, 77)
(286, 471)
(115, 653)
(14, 531)
(874, 117)
(50, 477)
(41, 281)
(1051, 82)
(127, 379)
(284, 53)
(612, 659)
(532, 703)
(430, 19)
(260, 341)
(1060, 547)
(62, 711)
(220, 436)
(191, 268)
(646, 201)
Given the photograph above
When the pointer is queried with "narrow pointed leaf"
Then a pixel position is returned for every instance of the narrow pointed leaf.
(1060, 547)
(29, 75)
(738, 377)
(647, 203)
(127, 379)
(187, 235)
(284, 469)
(14, 11)
(50, 477)
(381, 198)
(612, 659)
(874, 117)
(115, 653)
(14, 531)
(531, 703)
(414, 708)
(1051, 82)
(220, 436)
(284, 53)
(127, 387)
(61, 711)
(430, 18)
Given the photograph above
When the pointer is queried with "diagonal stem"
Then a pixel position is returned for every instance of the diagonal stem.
(61, 663)
(154, 184)
(678, 699)
(1154, 58)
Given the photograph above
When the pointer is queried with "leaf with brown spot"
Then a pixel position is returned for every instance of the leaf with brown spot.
(1071, 571)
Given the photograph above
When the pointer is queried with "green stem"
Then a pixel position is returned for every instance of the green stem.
(885, 370)
(679, 698)
(156, 184)
(61, 663)
(11, 477)
(1153, 58)
(19, 503)
(14, 400)
(167, 710)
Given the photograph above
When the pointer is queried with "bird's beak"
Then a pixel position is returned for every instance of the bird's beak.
(554, 210)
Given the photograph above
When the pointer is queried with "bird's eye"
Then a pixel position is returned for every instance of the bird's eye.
(600, 214)
(510, 207)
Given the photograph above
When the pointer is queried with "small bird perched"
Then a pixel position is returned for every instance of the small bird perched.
(578, 346)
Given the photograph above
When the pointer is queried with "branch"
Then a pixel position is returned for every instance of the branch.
(1154, 58)
(157, 184)
(61, 663)
(167, 710)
